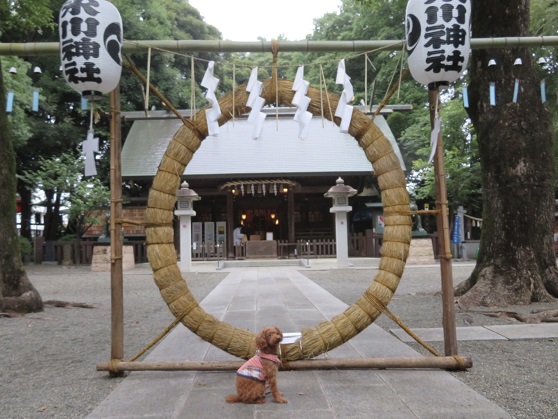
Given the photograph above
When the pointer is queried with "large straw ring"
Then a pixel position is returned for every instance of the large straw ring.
(328, 334)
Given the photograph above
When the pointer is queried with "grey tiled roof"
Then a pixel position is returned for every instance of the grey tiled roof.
(234, 153)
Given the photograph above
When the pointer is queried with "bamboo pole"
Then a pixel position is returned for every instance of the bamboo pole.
(116, 272)
(457, 363)
(30, 49)
(442, 223)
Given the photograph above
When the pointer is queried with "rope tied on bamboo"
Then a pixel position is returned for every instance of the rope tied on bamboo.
(461, 362)
(389, 95)
(383, 308)
(411, 213)
(167, 330)
(132, 222)
(113, 366)
(163, 99)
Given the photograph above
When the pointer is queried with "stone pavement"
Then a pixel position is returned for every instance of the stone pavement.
(254, 297)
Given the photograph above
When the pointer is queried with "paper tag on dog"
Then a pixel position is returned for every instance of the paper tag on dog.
(292, 337)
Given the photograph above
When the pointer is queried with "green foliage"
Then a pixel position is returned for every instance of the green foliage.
(25, 246)
(462, 163)
(170, 73)
(544, 21)
(61, 124)
(81, 196)
(19, 17)
(20, 84)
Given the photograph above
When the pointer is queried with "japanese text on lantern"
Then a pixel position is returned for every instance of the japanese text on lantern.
(438, 39)
(445, 26)
(77, 37)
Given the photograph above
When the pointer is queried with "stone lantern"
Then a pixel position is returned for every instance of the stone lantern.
(185, 198)
(340, 194)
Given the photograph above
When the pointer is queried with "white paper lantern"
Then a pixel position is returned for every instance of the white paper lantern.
(438, 39)
(91, 46)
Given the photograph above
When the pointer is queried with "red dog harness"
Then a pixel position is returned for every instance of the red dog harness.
(254, 369)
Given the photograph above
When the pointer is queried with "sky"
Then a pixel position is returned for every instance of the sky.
(246, 20)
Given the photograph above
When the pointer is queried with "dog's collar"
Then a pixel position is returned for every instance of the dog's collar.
(269, 357)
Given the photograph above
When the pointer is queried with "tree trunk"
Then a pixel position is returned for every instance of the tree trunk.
(52, 227)
(516, 263)
(25, 215)
(16, 291)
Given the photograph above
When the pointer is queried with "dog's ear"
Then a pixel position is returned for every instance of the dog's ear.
(261, 342)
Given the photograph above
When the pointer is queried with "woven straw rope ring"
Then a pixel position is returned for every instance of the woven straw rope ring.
(328, 334)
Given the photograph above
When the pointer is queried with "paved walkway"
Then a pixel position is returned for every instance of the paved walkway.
(256, 297)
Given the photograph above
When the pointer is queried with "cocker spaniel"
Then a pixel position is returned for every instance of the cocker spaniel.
(261, 369)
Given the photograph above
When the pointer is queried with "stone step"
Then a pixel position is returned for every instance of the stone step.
(250, 263)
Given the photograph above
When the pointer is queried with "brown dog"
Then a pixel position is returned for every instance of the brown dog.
(252, 377)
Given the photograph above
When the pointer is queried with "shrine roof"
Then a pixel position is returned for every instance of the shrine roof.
(234, 154)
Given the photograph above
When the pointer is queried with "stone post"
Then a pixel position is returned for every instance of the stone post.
(185, 198)
(340, 194)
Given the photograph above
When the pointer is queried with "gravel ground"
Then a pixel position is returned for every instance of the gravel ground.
(47, 367)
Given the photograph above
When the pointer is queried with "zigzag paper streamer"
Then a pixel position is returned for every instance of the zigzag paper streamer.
(255, 102)
(212, 114)
(90, 146)
(344, 111)
(301, 101)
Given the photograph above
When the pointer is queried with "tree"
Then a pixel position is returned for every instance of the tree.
(460, 153)
(60, 125)
(82, 197)
(16, 291)
(516, 263)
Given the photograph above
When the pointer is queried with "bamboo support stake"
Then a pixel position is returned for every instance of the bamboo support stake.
(456, 363)
(442, 222)
(116, 275)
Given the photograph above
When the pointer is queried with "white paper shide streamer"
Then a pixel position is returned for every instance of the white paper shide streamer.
(90, 146)
(344, 110)
(434, 136)
(301, 101)
(256, 103)
(212, 114)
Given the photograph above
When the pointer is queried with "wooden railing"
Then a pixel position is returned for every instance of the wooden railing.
(81, 252)
(208, 251)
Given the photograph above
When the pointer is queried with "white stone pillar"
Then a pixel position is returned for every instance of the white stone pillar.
(341, 235)
(340, 194)
(186, 242)
(185, 198)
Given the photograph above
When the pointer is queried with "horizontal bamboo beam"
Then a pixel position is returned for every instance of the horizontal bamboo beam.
(457, 363)
(192, 46)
